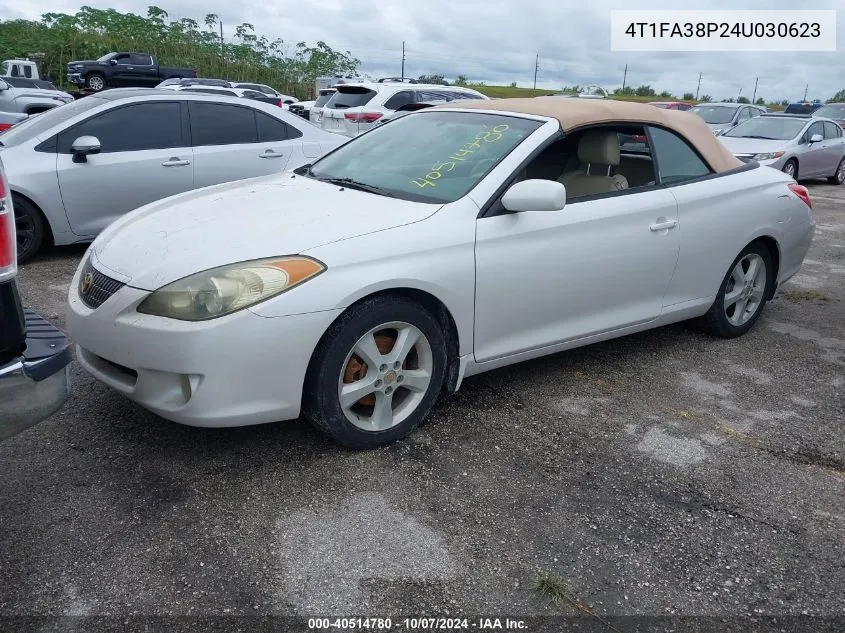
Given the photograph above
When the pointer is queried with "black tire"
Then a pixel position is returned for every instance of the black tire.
(791, 167)
(838, 176)
(29, 227)
(321, 402)
(716, 320)
(98, 81)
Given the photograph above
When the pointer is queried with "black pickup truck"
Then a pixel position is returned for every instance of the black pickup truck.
(34, 355)
(117, 70)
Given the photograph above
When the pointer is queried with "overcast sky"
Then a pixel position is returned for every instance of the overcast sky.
(497, 42)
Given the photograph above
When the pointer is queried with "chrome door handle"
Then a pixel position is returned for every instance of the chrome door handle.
(175, 162)
(270, 154)
(662, 226)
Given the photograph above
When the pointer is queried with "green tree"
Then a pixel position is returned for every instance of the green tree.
(433, 79)
(644, 91)
(839, 97)
(760, 101)
(785, 102)
(666, 95)
(706, 99)
(513, 84)
(688, 96)
(743, 100)
(461, 80)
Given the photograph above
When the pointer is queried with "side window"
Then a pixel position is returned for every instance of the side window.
(15, 71)
(123, 58)
(815, 128)
(272, 129)
(744, 115)
(142, 126)
(400, 99)
(27, 70)
(141, 60)
(222, 124)
(676, 160)
(831, 130)
(755, 112)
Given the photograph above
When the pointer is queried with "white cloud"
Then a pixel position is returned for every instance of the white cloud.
(497, 43)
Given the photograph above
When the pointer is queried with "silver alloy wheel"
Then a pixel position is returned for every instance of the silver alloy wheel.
(96, 83)
(394, 381)
(840, 172)
(744, 292)
(789, 169)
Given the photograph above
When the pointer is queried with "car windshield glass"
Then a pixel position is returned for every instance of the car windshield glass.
(831, 112)
(322, 99)
(800, 108)
(430, 157)
(350, 98)
(107, 57)
(38, 125)
(772, 128)
(715, 114)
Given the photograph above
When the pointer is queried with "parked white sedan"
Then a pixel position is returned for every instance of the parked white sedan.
(73, 170)
(453, 241)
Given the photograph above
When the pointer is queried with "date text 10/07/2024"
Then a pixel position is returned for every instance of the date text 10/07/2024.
(417, 624)
(724, 29)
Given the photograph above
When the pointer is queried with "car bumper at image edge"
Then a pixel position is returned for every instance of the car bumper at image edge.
(36, 384)
(75, 78)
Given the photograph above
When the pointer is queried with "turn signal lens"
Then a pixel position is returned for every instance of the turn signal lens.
(802, 192)
(227, 289)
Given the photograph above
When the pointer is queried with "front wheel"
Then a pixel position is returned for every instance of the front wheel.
(743, 293)
(791, 169)
(95, 82)
(376, 373)
(29, 228)
(838, 176)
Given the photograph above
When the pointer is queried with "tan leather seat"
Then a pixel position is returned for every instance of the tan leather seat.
(598, 150)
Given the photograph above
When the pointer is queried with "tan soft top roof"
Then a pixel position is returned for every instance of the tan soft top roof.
(575, 113)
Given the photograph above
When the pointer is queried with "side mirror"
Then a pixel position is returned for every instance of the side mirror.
(83, 146)
(816, 138)
(535, 195)
(112, 62)
(3, 85)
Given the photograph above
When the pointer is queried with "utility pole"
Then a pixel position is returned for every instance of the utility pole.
(805, 91)
(536, 68)
(222, 48)
(698, 87)
(403, 60)
(754, 96)
(624, 77)
(739, 95)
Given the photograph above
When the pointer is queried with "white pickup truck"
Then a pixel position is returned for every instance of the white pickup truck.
(30, 96)
(19, 67)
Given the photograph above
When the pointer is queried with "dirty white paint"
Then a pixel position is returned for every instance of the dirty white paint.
(328, 553)
(759, 377)
(834, 348)
(704, 387)
(669, 449)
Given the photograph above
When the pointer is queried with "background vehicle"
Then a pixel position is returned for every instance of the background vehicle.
(671, 105)
(30, 96)
(834, 111)
(265, 89)
(302, 109)
(803, 107)
(231, 92)
(122, 69)
(8, 119)
(721, 117)
(75, 169)
(19, 67)
(34, 355)
(800, 145)
(354, 108)
(315, 111)
(172, 83)
(414, 107)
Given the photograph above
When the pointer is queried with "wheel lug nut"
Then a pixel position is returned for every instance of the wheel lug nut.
(396, 365)
(378, 383)
(383, 368)
(388, 390)
(400, 378)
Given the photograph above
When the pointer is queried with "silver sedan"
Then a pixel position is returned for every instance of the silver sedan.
(799, 145)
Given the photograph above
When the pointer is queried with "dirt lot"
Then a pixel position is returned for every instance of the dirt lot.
(666, 473)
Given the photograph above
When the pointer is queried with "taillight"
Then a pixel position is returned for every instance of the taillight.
(802, 192)
(281, 104)
(362, 117)
(8, 247)
(5, 126)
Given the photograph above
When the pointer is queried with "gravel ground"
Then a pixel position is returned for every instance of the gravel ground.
(668, 473)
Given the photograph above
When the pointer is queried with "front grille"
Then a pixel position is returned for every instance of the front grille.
(95, 287)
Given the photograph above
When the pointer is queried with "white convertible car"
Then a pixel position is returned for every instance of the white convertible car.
(446, 243)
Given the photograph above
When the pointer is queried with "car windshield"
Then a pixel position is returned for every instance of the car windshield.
(831, 112)
(323, 99)
(38, 125)
(351, 97)
(106, 57)
(715, 114)
(433, 156)
(801, 108)
(772, 128)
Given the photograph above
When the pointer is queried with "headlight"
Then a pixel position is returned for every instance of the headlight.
(220, 291)
(769, 156)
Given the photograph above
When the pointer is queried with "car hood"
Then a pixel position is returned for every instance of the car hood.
(739, 145)
(232, 222)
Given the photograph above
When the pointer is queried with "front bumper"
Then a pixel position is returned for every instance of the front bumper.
(235, 370)
(35, 385)
(76, 79)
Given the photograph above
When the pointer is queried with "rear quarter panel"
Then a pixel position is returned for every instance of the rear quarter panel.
(718, 217)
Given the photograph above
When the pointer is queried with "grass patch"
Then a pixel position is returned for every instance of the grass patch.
(556, 592)
(804, 295)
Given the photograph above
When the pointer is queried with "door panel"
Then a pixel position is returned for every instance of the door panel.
(812, 162)
(548, 277)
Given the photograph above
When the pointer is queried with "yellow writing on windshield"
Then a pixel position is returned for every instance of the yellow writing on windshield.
(491, 135)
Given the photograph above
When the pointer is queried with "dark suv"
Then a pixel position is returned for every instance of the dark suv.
(34, 355)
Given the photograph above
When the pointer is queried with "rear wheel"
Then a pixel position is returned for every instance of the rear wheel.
(791, 168)
(95, 82)
(838, 176)
(29, 228)
(743, 293)
(376, 373)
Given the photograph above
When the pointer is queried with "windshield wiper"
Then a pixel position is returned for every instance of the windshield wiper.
(355, 184)
(767, 138)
